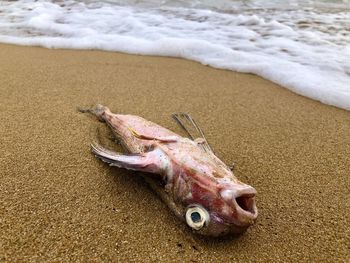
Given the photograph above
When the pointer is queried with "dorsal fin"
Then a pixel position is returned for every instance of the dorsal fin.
(187, 123)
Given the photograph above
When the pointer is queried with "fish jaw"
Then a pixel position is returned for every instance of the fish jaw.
(241, 198)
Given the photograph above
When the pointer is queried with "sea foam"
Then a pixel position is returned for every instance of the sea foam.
(306, 50)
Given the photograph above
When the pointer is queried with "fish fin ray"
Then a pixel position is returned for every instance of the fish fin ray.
(188, 124)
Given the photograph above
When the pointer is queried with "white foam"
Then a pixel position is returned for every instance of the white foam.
(306, 50)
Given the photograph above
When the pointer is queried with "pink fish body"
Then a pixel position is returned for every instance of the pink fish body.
(196, 185)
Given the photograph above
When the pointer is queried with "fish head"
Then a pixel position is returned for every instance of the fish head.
(229, 208)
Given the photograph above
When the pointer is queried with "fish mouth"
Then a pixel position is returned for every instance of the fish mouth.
(245, 205)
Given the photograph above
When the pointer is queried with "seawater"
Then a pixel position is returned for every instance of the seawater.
(301, 45)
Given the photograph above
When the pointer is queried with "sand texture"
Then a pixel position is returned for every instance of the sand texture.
(60, 204)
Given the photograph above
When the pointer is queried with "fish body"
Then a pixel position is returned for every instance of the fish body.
(191, 180)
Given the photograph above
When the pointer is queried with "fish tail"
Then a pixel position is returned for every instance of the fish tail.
(98, 110)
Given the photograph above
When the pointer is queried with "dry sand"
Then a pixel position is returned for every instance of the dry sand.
(59, 204)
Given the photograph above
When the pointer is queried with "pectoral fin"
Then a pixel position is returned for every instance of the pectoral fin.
(187, 123)
(145, 162)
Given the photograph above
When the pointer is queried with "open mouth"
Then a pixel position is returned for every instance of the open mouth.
(243, 201)
(247, 203)
(246, 206)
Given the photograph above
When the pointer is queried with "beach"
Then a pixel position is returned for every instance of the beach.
(58, 203)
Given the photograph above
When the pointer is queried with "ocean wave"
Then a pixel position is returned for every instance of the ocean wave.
(305, 50)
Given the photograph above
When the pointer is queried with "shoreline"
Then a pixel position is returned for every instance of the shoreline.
(57, 202)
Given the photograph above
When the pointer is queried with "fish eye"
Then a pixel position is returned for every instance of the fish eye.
(197, 217)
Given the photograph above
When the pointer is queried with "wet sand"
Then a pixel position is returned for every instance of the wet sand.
(59, 204)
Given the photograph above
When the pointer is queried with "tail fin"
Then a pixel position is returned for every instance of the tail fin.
(97, 110)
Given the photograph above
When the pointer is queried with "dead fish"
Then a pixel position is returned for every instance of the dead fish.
(195, 184)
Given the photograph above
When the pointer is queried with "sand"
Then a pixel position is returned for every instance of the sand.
(59, 204)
